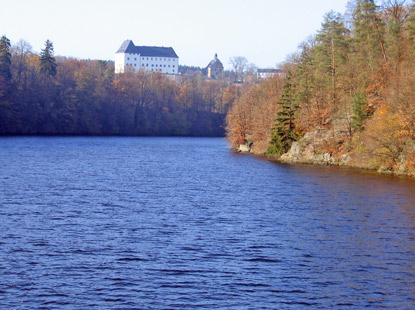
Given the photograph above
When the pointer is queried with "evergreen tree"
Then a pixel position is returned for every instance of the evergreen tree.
(47, 61)
(359, 109)
(332, 48)
(397, 14)
(410, 27)
(304, 75)
(283, 133)
(5, 63)
(368, 36)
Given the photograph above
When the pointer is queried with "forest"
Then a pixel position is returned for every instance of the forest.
(41, 94)
(346, 97)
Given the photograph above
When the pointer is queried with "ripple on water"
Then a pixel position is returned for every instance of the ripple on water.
(165, 223)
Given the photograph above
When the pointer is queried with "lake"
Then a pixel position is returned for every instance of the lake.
(184, 223)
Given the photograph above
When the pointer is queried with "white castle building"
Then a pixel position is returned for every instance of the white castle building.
(151, 58)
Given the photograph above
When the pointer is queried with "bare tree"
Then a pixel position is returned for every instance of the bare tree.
(20, 53)
(397, 10)
(239, 65)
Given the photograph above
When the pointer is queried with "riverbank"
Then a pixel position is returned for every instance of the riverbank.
(314, 148)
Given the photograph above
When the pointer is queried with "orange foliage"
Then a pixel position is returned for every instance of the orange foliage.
(375, 91)
(251, 117)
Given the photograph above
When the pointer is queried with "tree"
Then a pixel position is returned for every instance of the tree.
(239, 65)
(368, 35)
(5, 63)
(20, 54)
(359, 109)
(305, 81)
(47, 61)
(396, 15)
(332, 49)
(284, 133)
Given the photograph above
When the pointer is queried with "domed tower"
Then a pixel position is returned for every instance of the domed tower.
(214, 68)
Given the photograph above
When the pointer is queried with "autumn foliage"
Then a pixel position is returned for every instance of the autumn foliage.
(354, 80)
(41, 95)
(251, 116)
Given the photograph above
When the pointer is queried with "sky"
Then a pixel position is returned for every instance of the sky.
(265, 32)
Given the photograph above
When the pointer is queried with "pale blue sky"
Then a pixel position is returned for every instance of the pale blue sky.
(263, 31)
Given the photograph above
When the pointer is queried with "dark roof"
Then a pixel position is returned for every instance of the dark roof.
(154, 51)
(215, 62)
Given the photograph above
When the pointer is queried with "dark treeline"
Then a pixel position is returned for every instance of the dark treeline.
(348, 93)
(47, 95)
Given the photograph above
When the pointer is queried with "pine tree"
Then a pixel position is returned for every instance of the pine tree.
(359, 109)
(305, 79)
(5, 63)
(332, 48)
(283, 133)
(47, 61)
(368, 35)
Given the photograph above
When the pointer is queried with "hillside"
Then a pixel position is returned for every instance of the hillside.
(347, 96)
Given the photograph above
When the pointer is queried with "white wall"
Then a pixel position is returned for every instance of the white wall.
(119, 63)
(167, 65)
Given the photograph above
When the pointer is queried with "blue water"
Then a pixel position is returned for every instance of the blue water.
(183, 223)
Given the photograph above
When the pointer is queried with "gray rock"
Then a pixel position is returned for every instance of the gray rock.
(346, 158)
(244, 148)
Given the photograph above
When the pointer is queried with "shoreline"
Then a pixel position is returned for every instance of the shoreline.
(316, 163)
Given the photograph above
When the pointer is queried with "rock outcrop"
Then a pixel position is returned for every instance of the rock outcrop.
(312, 148)
(245, 147)
(331, 147)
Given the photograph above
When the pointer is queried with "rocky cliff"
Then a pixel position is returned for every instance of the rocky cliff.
(324, 147)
